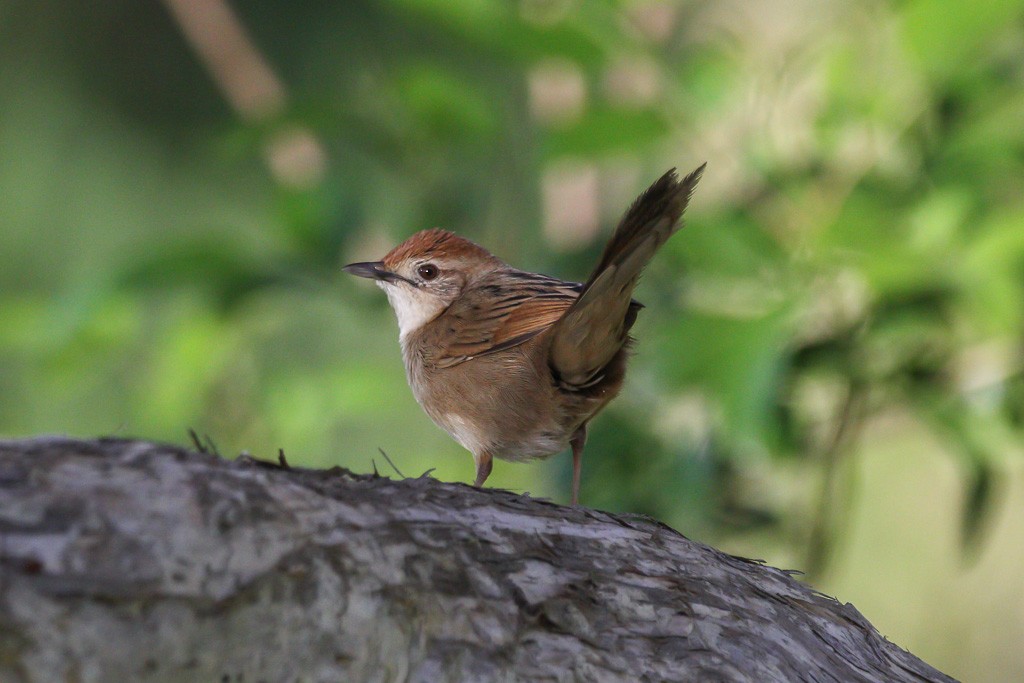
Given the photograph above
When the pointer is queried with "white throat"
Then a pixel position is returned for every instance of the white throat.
(414, 308)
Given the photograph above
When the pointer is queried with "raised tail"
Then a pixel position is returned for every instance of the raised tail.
(586, 338)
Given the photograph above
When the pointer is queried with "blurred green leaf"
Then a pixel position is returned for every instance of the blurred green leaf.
(738, 362)
(603, 130)
(946, 36)
(451, 109)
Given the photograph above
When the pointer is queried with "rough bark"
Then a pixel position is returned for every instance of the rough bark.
(132, 561)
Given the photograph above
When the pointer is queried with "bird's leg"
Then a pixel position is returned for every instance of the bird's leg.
(578, 440)
(483, 468)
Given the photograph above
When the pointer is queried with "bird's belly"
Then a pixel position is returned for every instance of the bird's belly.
(525, 444)
(504, 409)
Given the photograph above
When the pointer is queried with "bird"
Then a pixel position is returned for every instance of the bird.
(514, 364)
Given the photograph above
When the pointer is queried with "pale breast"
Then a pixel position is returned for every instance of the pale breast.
(494, 404)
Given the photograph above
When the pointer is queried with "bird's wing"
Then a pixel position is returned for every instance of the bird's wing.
(510, 308)
(594, 328)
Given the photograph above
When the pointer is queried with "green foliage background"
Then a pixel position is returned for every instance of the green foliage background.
(829, 368)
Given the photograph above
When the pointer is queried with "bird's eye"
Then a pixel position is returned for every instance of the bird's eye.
(428, 271)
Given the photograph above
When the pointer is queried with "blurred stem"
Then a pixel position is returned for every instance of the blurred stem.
(972, 440)
(294, 155)
(830, 506)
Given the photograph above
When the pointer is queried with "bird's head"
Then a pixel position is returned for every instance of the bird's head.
(423, 275)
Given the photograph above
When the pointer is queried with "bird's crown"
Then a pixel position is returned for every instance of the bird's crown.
(435, 243)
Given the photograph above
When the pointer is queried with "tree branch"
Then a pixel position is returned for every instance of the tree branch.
(129, 560)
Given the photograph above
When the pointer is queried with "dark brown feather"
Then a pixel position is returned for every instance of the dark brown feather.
(594, 328)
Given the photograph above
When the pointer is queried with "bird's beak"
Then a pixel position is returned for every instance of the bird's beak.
(374, 270)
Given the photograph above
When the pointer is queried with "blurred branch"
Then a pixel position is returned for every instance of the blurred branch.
(293, 154)
(973, 442)
(829, 507)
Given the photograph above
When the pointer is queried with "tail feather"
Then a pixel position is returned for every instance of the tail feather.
(594, 328)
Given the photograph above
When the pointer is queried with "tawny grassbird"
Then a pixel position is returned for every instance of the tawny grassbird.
(514, 364)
